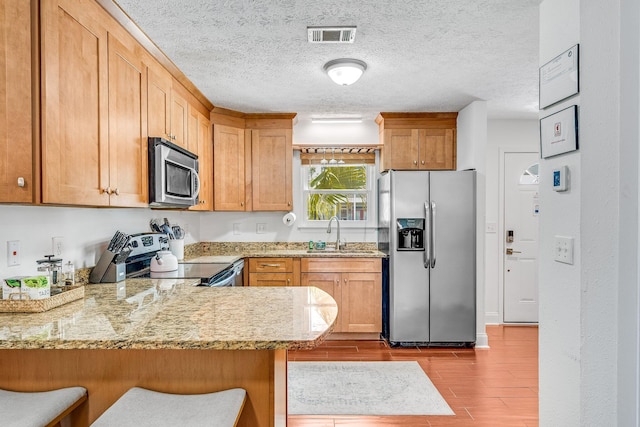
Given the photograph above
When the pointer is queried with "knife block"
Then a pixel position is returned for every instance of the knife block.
(110, 268)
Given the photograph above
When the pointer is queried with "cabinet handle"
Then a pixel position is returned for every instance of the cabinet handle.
(345, 281)
(269, 265)
(415, 162)
(20, 181)
(242, 204)
(423, 162)
(116, 191)
(288, 281)
(107, 190)
(288, 203)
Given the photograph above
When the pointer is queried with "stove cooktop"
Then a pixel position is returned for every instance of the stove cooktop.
(207, 273)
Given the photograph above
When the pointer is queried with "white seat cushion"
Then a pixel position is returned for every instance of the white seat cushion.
(140, 407)
(36, 409)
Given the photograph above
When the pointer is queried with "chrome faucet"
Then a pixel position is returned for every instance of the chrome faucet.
(338, 235)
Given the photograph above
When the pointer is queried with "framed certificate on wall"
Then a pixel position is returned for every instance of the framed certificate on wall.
(559, 78)
(559, 132)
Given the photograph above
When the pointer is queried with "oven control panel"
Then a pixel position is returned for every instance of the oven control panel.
(148, 243)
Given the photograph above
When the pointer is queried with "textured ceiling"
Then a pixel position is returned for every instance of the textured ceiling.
(422, 55)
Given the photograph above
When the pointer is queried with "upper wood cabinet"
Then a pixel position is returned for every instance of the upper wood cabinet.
(271, 165)
(253, 157)
(418, 141)
(199, 141)
(128, 153)
(75, 141)
(16, 137)
(229, 163)
(168, 108)
(94, 94)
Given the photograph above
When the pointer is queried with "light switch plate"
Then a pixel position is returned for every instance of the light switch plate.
(563, 249)
(13, 252)
(261, 228)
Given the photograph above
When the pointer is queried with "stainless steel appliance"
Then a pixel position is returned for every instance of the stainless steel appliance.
(173, 175)
(427, 227)
(129, 256)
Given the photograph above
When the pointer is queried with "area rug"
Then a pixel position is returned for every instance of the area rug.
(362, 388)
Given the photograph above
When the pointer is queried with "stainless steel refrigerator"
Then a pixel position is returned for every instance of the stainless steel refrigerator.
(427, 226)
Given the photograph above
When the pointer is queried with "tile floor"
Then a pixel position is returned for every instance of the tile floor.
(496, 387)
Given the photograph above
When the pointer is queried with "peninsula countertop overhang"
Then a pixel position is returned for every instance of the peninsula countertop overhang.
(175, 314)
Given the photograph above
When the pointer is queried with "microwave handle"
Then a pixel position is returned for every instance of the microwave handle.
(196, 179)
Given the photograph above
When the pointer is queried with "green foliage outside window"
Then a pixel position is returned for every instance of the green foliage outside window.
(337, 190)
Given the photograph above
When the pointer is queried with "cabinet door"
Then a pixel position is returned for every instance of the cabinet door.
(437, 148)
(16, 155)
(330, 283)
(401, 149)
(128, 177)
(270, 279)
(179, 114)
(361, 302)
(271, 164)
(75, 153)
(158, 102)
(199, 142)
(228, 168)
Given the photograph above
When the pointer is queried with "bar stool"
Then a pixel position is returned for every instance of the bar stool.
(39, 409)
(140, 407)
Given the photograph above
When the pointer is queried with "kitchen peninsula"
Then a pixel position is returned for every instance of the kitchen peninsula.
(167, 335)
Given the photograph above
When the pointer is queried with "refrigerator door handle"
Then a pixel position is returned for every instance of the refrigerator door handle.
(427, 253)
(433, 234)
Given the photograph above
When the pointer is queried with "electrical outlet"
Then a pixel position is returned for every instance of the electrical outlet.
(13, 252)
(563, 249)
(261, 228)
(236, 228)
(57, 245)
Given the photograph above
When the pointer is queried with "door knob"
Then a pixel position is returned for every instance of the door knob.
(511, 251)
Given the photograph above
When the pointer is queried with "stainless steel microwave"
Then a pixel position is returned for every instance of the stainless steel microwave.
(173, 175)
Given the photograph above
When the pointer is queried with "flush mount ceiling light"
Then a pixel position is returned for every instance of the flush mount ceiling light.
(345, 71)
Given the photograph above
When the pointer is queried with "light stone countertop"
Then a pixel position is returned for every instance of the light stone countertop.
(175, 314)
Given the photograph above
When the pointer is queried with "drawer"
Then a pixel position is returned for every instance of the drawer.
(270, 265)
(271, 279)
(341, 265)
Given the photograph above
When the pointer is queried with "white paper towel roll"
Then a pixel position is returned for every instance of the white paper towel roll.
(289, 219)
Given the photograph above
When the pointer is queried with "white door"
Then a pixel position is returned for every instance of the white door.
(521, 210)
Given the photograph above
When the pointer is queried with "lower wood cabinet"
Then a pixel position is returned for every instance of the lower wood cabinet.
(274, 271)
(355, 284)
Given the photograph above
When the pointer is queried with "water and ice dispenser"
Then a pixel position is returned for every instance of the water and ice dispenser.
(410, 234)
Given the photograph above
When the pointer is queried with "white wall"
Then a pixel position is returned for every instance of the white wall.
(560, 214)
(501, 134)
(629, 249)
(600, 122)
(307, 133)
(86, 232)
(590, 312)
(471, 147)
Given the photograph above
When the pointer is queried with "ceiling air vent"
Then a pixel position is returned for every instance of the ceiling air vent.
(331, 34)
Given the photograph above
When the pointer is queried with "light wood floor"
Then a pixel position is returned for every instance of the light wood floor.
(485, 388)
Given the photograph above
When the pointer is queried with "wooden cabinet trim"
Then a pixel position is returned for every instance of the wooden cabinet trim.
(340, 265)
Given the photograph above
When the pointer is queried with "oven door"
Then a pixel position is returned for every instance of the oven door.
(226, 278)
(173, 175)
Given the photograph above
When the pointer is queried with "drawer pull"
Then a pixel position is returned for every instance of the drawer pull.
(269, 265)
